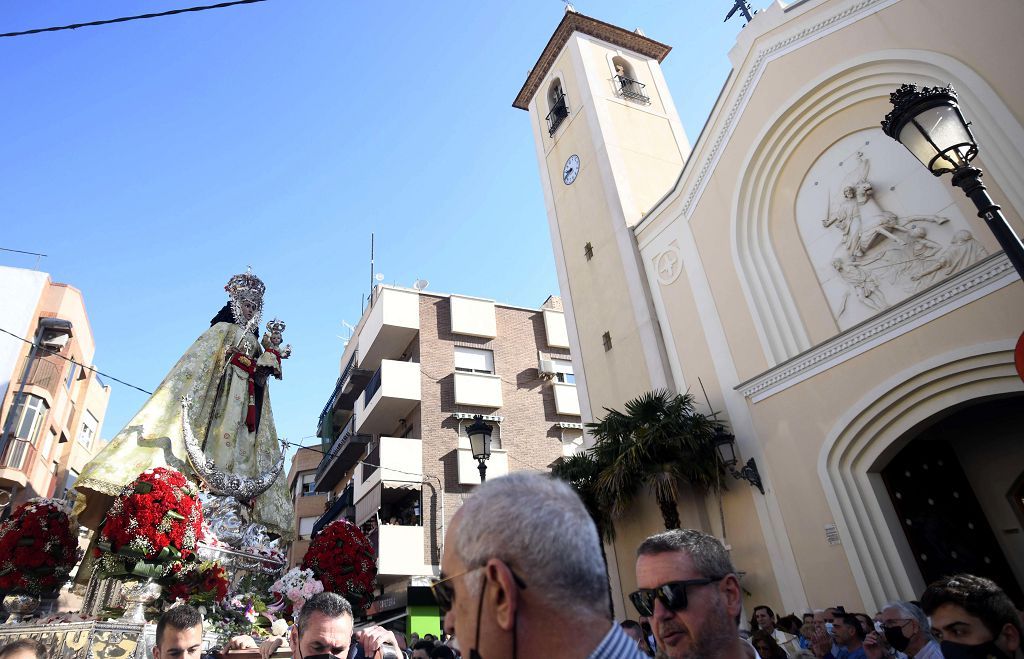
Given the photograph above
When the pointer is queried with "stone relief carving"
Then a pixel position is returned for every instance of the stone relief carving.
(669, 264)
(878, 230)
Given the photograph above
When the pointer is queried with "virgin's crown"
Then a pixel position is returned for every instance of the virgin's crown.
(246, 285)
(275, 326)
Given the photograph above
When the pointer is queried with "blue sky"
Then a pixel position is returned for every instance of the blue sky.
(152, 160)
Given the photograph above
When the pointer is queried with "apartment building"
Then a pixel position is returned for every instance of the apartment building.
(53, 426)
(417, 370)
(309, 505)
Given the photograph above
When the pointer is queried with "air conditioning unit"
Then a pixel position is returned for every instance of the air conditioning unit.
(545, 367)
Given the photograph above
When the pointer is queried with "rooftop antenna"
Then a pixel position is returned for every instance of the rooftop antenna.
(351, 331)
(420, 284)
(569, 7)
(742, 6)
(371, 267)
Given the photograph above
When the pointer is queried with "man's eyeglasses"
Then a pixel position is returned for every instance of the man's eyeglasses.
(671, 594)
(444, 591)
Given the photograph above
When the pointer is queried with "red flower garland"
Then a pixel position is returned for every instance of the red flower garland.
(38, 547)
(342, 559)
(155, 521)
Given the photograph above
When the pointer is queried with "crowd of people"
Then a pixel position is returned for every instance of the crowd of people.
(517, 585)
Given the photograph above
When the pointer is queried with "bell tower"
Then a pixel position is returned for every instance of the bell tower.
(610, 145)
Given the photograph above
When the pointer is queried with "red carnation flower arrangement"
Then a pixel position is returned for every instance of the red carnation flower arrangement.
(38, 547)
(155, 523)
(342, 559)
(196, 583)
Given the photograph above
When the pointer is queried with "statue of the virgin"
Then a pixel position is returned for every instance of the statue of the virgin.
(228, 411)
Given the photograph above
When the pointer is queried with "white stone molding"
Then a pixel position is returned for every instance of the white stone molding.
(880, 424)
(849, 14)
(983, 278)
(868, 76)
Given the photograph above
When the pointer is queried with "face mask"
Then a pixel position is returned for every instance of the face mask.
(989, 650)
(828, 628)
(896, 638)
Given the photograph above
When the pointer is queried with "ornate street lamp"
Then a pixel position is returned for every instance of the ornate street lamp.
(725, 443)
(480, 443)
(929, 123)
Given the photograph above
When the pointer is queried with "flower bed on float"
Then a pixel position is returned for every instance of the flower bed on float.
(155, 522)
(341, 557)
(38, 547)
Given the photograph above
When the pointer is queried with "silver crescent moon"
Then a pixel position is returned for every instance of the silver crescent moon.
(219, 481)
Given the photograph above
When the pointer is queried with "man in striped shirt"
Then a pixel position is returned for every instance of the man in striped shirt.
(522, 575)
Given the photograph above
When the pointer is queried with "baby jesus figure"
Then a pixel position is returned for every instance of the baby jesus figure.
(269, 363)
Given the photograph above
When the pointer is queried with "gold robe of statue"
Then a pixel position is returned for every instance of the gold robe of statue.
(220, 390)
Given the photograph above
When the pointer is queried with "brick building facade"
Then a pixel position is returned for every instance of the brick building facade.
(417, 370)
(308, 504)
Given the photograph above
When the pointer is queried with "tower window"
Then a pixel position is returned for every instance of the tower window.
(559, 106)
(588, 251)
(607, 338)
(626, 84)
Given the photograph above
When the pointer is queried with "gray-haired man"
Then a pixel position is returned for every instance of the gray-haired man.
(522, 575)
(689, 590)
(907, 630)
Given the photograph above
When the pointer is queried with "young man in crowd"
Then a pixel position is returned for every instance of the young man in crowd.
(516, 583)
(690, 593)
(422, 649)
(179, 634)
(906, 629)
(848, 635)
(973, 618)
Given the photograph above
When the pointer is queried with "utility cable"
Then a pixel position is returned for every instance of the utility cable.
(125, 19)
(283, 441)
(68, 359)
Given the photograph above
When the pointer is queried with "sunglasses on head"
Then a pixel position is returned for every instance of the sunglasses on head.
(672, 595)
(444, 591)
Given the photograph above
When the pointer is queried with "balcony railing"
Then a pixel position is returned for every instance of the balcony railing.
(344, 453)
(631, 89)
(371, 387)
(45, 373)
(559, 111)
(337, 509)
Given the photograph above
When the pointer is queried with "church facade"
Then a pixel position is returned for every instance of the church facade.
(849, 315)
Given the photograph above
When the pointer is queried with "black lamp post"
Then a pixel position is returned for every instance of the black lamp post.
(929, 123)
(480, 443)
(725, 443)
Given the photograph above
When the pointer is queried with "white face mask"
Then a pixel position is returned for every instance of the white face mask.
(453, 643)
(828, 628)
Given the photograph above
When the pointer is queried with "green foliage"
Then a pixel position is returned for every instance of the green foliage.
(659, 442)
(581, 471)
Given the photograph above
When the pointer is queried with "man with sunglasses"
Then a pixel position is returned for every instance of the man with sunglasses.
(522, 575)
(690, 593)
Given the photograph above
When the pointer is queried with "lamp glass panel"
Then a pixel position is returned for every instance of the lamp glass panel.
(946, 129)
(480, 445)
(727, 451)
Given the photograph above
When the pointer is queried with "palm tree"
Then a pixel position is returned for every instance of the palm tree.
(661, 442)
(581, 471)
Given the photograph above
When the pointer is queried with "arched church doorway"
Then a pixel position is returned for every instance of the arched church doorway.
(957, 489)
